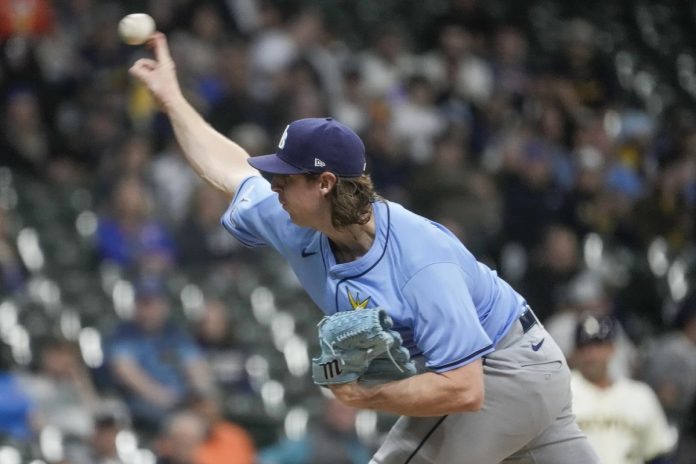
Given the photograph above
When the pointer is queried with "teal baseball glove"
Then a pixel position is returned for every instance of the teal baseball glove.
(359, 345)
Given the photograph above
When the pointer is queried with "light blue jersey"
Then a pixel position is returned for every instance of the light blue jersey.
(448, 307)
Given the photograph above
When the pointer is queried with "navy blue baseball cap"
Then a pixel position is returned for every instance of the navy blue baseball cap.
(591, 329)
(315, 145)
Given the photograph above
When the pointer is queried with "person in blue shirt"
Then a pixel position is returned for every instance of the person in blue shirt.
(492, 384)
(16, 408)
(153, 360)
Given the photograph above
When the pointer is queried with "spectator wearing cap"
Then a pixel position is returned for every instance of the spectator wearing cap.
(153, 360)
(670, 367)
(587, 294)
(622, 418)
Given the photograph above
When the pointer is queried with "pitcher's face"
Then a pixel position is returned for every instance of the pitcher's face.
(300, 196)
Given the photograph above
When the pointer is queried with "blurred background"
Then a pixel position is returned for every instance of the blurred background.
(556, 139)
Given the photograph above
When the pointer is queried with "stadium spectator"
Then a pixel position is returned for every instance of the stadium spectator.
(197, 46)
(585, 79)
(385, 65)
(472, 15)
(33, 19)
(214, 333)
(16, 408)
(332, 440)
(622, 418)
(352, 106)
(203, 218)
(451, 186)
(455, 65)
(180, 438)
(511, 73)
(12, 271)
(415, 122)
(173, 185)
(129, 235)
(587, 295)
(552, 266)
(225, 441)
(578, 210)
(103, 449)
(62, 389)
(153, 360)
(130, 159)
(686, 448)
(670, 365)
(531, 196)
(668, 211)
(236, 105)
(25, 141)
(390, 165)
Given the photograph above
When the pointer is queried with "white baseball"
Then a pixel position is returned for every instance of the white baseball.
(136, 28)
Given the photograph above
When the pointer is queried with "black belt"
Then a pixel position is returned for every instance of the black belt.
(527, 319)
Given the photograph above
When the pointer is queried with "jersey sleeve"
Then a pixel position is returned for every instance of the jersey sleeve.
(255, 217)
(657, 438)
(446, 327)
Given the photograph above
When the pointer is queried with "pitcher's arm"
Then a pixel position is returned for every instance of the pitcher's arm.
(214, 157)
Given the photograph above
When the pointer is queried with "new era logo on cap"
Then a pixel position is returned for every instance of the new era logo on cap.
(315, 145)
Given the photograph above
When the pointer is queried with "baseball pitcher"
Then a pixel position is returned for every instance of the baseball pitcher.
(475, 376)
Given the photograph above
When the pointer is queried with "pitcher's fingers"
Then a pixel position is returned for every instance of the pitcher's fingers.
(142, 68)
(159, 42)
(145, 62)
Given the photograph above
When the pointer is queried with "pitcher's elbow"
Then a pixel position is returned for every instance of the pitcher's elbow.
(476, 401)
(469, 401)
(473, 399)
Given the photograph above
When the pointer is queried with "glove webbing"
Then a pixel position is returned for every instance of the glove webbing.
(349, 334)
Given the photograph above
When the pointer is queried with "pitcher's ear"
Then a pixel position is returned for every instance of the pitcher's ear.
(327, 181)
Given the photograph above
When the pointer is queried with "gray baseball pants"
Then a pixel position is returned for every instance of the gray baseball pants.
(526, 417)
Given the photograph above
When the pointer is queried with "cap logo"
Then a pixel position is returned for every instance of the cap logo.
(319, 163)
(281, 144)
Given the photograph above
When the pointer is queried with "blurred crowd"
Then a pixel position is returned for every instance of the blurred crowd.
(528, 129)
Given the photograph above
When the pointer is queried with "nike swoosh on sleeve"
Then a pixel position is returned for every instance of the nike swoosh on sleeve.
(306, 254)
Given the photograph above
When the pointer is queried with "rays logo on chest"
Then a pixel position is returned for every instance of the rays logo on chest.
(355, 302)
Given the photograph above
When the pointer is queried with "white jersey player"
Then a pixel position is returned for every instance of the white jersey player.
(622, 419)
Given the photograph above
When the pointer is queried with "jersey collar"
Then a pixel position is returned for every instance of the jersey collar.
(370, 259)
